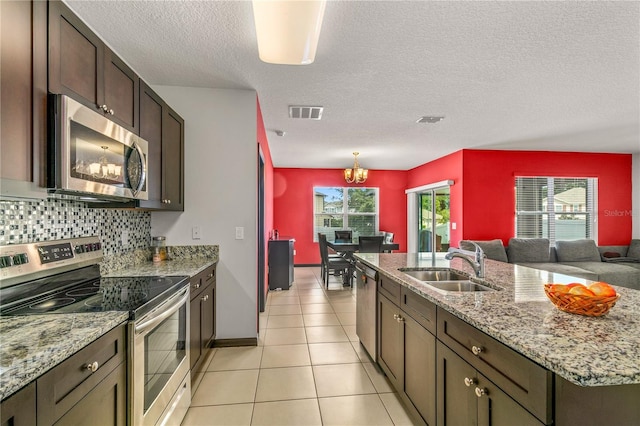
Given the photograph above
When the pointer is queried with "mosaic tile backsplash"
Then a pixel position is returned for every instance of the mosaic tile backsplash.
(54, 219)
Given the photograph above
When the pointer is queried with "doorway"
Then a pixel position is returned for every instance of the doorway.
(428, 221)
(262, 292)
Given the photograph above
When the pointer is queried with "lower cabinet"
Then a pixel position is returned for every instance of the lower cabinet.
(202, 316)
(466, 397)
(88, 386)
(20, 408)
(406, 354)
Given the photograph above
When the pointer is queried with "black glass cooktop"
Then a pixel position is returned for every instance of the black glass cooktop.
(84, 291)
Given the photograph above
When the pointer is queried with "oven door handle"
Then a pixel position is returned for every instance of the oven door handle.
(163, 312)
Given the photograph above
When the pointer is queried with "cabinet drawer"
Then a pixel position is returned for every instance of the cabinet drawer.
(202, 280)
(522, 379)
(61, 388)
(389, 288)
(419, 308)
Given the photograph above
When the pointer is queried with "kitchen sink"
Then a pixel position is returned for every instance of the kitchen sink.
(446, 280)
(435, 275)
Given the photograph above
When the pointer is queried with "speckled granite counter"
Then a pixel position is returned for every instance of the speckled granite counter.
(32, 345)
(587, 351)
(188, 267)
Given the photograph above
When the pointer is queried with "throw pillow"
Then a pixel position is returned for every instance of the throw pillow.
(493, 249)
(577, 251)
(528, 250)
(634, 249)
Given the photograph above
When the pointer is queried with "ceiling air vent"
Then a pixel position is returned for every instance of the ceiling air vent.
(429, 119)
(307, 112)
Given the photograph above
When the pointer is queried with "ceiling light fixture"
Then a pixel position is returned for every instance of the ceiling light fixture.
(430, 119)
(288, 31)
(280, 132)
(356, 174)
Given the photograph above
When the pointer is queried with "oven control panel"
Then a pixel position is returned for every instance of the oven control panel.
(22, 262)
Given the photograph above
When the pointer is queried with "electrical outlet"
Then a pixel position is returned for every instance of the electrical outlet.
(124, 237)
(294, 252)
(239, 233)
(196, 233)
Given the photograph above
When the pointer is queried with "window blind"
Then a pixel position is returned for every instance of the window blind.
(556, 208)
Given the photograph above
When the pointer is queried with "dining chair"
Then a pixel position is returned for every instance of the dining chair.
(322, 239)
(334, 264)
(388, 239)
(370, 244)
(343, 236)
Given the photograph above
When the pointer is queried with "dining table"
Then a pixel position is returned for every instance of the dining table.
(348, 248)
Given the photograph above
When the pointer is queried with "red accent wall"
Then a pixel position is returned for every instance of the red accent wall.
(263, 142)
(483, 196)
(293, 205)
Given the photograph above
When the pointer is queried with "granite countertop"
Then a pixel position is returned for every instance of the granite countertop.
(587, 351)
(33, 344)
(188, 267)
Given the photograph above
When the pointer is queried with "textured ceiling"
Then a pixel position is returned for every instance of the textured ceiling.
(506, 75)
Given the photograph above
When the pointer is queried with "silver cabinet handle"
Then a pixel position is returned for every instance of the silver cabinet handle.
(477, 350)
(395, 317)
(469, 381)
(110, 112)
(481, 392)
(92, 366)
(104, 108)
(210, 275)
(400, 319)
(196, 285)
(205, 298)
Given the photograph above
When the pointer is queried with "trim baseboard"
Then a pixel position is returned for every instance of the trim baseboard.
(227, 343)
(304, 265)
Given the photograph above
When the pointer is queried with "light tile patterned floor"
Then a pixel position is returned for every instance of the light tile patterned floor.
(308, 367)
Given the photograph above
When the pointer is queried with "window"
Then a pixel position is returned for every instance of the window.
(556, 208)
(345, 208)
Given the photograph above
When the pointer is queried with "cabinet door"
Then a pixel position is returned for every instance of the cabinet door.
(106, 402)
(389, 341)
(151, 107)
(207, 317)
(23, 95)
(457, 401)
(76, 56)
(20, 408)
(195, 344)
(496, 408)
(173, 160)
(420, 368)
(121, 91)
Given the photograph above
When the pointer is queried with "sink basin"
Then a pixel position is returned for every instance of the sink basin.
(435, 275)
(457, 286)
(446, 280)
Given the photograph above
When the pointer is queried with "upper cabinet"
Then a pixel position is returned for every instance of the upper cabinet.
(23, 89)
(84, 68)
(163, 128)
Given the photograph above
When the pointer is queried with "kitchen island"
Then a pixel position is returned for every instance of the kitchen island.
(588, 355)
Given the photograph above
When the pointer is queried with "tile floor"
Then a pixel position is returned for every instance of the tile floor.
(308, 367)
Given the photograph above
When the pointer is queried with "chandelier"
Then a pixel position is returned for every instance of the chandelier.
(356, 174)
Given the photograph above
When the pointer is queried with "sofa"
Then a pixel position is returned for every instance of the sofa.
(617, 265)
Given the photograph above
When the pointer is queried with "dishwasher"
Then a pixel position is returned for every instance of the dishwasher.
(366, 308)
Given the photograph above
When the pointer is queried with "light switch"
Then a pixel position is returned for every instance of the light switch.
(125, 238)
(453, 225)
(196, 233)
(239, 233)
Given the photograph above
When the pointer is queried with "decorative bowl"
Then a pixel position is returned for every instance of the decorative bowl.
(592, 306)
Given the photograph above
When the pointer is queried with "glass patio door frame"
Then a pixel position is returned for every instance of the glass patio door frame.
(413, 214)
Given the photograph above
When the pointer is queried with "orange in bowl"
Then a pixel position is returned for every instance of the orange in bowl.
(582, 300)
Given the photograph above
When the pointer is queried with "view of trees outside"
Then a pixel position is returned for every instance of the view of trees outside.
(345, 208)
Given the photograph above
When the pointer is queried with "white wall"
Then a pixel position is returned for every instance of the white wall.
(635, 190)
(220, 195)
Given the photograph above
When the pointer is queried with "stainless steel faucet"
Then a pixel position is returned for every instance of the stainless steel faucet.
(475, 258)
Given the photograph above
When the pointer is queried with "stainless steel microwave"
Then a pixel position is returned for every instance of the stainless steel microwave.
(90, 156)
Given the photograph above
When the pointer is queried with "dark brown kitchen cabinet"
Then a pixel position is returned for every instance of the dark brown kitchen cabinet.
(23, 97)
(466, 397)
(164, 130)
(406, 351)
(89, 385)
(84, 68)
(202, 316)
(20, 408)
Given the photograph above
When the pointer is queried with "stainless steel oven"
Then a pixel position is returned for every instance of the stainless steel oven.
(63, 276)
(91, 156)
(159, 363)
